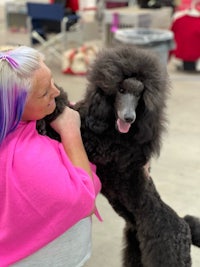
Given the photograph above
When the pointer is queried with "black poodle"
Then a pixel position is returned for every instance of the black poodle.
(122, 121)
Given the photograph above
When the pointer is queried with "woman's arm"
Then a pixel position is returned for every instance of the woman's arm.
(67, 125)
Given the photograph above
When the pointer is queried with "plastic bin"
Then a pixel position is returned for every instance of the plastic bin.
(160, 41)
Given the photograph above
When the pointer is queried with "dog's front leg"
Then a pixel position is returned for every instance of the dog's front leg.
(131, 251)
(164, 237)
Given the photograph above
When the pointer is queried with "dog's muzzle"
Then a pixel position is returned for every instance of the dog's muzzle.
(123, 126)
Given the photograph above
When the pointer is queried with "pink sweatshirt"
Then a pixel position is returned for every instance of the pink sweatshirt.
(41, 193)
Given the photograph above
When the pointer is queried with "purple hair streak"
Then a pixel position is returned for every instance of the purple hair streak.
(11, 109)
(10, 60)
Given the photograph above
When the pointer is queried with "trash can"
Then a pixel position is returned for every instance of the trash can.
(157, 40)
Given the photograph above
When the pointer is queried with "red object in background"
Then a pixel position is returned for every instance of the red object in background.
(111, 4)
(184, 4)
(72, 4)
(186, 31)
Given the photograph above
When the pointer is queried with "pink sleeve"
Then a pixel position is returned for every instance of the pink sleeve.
(97, 183)
(52, 185)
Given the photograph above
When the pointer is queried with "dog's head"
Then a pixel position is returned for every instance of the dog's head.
(126, 102)
(113, 66)
(128, 78)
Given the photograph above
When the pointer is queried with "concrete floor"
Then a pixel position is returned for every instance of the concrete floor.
(176, 173)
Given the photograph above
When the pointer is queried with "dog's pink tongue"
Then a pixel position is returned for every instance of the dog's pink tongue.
(123, 126)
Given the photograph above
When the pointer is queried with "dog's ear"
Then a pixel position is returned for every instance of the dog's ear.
(153, 97)
(149, 100)
(99, 111)
(95, 126)
(156, 85)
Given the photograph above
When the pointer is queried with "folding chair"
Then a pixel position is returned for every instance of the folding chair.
(41, 14)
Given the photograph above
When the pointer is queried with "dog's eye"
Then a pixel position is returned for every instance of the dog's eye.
(121, 90)
(137, 94)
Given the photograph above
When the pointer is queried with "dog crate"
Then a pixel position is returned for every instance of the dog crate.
(159, 41)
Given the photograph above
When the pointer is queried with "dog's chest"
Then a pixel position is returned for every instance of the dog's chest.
(107, 148)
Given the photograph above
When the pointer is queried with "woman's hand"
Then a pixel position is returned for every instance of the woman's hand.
(67, 121)
(67, 125)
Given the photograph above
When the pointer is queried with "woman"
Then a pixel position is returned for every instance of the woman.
(47, 188)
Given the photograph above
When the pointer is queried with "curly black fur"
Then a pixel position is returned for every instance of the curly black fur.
(154, 236)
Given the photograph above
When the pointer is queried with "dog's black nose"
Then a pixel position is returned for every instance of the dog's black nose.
(129, 119)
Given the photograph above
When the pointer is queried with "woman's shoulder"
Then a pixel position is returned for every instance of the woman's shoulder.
(28, 138)
(25, 143)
